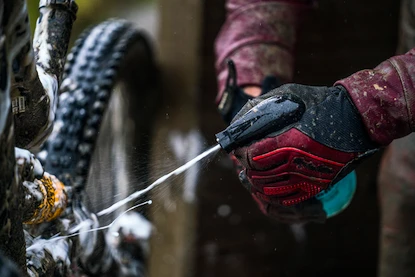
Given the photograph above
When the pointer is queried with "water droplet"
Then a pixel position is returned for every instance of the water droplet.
(224, 210)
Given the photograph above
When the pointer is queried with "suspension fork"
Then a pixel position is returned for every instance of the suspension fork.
(38, 70)
(29, 78)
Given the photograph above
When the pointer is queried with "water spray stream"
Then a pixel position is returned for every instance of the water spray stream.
(160, 180)
(82, 224)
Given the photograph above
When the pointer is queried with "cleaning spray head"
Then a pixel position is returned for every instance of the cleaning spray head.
(269, 116)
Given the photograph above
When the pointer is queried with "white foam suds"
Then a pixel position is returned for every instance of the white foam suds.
(128, 224)
(34, 191)
(80, 228)
(58, 249)
(29, 158)
(50, 84)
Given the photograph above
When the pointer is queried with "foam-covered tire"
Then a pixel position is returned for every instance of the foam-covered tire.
(106, 101)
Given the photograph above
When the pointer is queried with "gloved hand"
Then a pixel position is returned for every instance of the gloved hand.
(286, 169)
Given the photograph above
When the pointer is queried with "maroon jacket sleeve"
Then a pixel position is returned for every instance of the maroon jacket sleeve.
(259, 35)
(385, 97)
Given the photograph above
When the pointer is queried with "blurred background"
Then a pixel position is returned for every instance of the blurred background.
(206, 223)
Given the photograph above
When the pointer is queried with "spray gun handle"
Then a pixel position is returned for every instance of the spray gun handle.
(269, 116)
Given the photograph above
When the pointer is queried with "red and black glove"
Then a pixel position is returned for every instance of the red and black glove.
(304, 154)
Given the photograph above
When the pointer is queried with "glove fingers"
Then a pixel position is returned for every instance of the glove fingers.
(309, 211)
(284, 179)
(286, 176)
(292, 160)
(294, 148)
(290, 192)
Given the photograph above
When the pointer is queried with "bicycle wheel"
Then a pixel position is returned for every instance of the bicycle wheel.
(103, 122)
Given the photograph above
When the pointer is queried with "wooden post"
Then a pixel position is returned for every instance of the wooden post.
(173, 213)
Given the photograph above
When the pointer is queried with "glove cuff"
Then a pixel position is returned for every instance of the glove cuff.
(260, 39)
